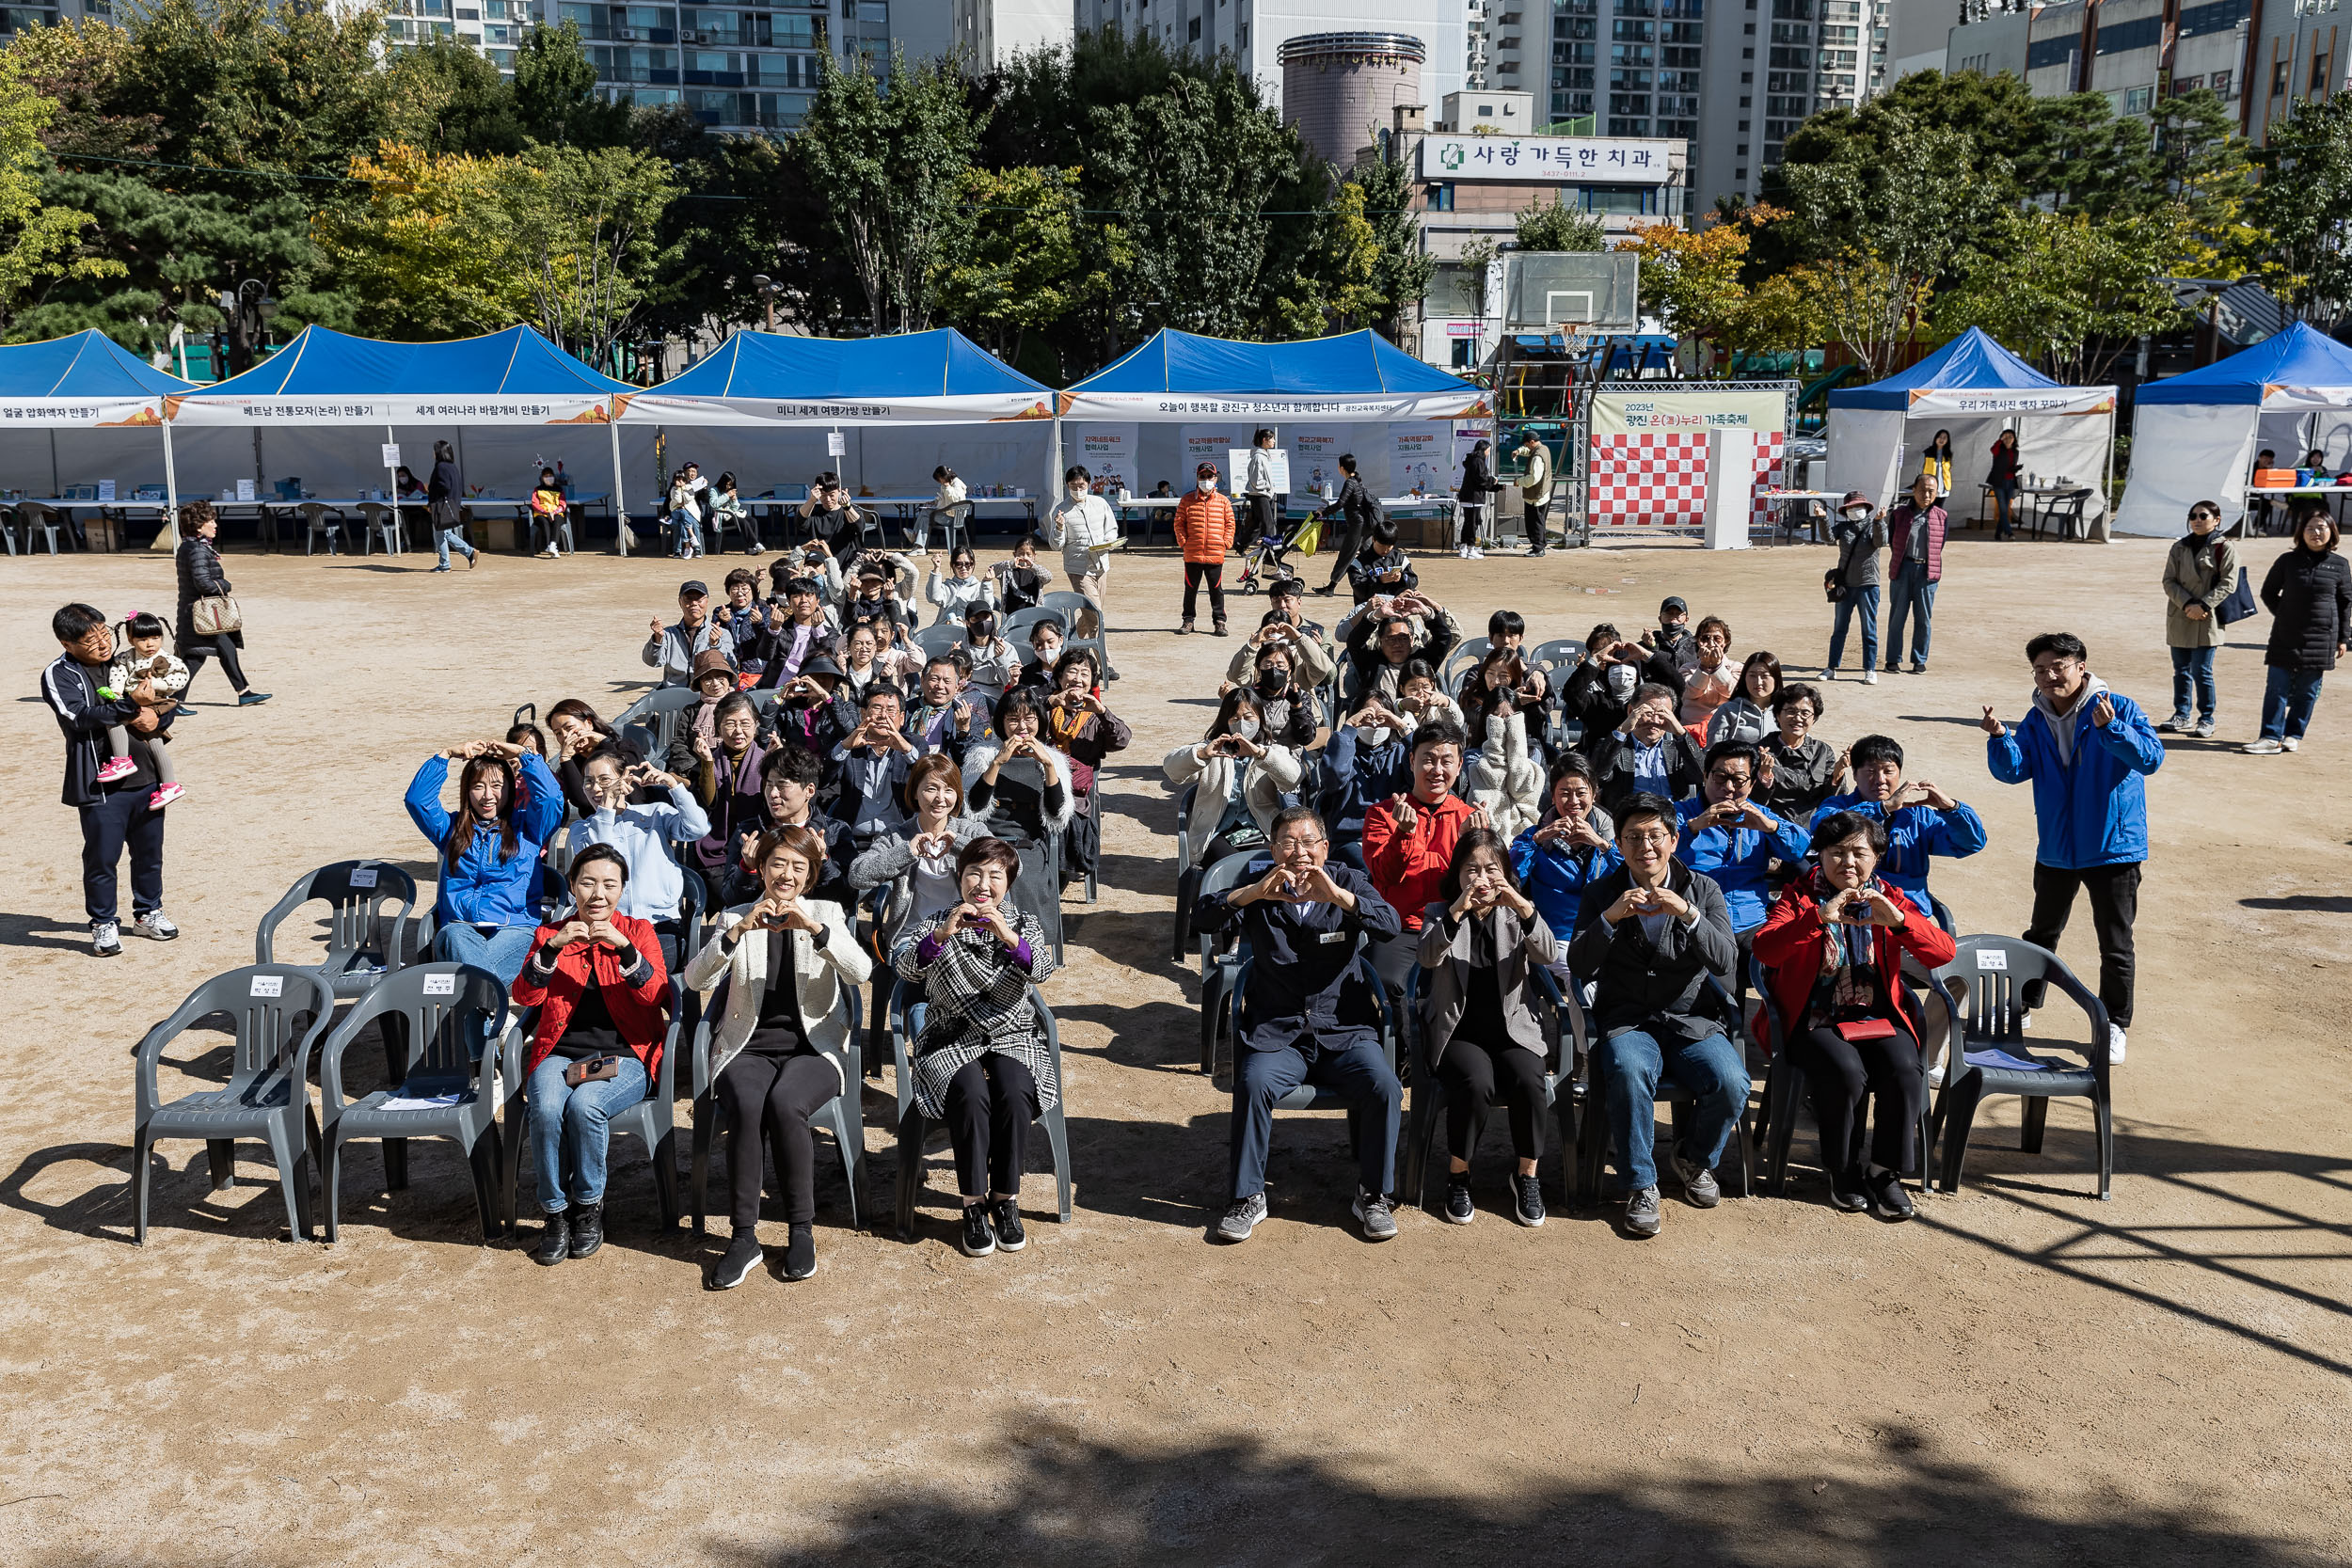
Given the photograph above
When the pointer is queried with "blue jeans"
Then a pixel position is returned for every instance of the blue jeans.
(446, 539)
(2288, 698)
(2192, 670)
(1913, 595)
(503, 953)
(1629, 1066)
(1361, 1074)
(1866, 599)
(570, 1129)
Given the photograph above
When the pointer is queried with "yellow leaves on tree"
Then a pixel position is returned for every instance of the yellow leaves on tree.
(426, 247)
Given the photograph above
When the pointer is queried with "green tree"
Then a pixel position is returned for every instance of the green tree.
(2209, 169)
(2072, 289)
(891, 168)
(1401, 273)
(555, 92)
(1868, 304)
(1556, 226)
(583, 226)
(421, 251)
(37, 241)
(2304, 208)
(725, 227)
(1022, 265)
(455, 101)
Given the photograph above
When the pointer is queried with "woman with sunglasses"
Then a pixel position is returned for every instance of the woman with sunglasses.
(2200, 573)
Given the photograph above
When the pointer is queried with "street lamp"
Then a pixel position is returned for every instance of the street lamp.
(767, 287)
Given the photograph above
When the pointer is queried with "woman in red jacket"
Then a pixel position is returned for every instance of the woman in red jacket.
(597, 981)
(1204, 527)
(1834, 946)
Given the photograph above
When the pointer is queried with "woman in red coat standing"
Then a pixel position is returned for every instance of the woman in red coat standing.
(1204, 529)
(1834, 945)
(597, 981)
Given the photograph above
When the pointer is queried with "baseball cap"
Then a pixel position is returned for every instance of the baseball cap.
(695, 586)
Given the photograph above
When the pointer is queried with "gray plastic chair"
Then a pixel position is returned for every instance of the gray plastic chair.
(2004, 977)
(315, 522)
(1219, 971)
(379, 523)
(1464, 657)
(914, 1126)
(1736, 1170)
(659, 710)
(31, 515)
(362, 947)
(844, 1113)
(938, 639)
(1015, 629)
(1183, 937)
(266, 1097)
(1069, 603)
(432, 1016)
(652, 1120)
(1563, 1030)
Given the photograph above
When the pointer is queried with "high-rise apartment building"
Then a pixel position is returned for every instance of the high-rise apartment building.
(1254, 31)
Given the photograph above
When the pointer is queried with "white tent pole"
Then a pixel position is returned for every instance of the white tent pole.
(1053, 464)
(55, 485)
(169, 535)
(2106, 488)
(620, 507)
(391, 477)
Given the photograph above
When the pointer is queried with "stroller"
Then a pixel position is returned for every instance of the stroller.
(1262, 561)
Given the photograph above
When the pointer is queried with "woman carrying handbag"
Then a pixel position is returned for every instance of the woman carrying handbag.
(208, 622)
(445, 497)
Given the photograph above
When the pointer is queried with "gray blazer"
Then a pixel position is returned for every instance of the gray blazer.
(1445, 958)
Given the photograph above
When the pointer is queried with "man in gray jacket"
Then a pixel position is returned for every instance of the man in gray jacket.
(671, 649)
(1860, 534)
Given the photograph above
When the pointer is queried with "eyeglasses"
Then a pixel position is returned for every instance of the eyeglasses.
(1297, 843)
(1653, 835)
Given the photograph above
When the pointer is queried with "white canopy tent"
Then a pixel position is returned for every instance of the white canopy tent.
(2195, 436)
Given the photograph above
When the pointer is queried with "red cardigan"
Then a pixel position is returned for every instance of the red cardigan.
(1788, 946)
(637, 1010)
(1407, 869)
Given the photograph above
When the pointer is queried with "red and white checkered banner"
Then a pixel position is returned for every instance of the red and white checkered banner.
(1658, 479)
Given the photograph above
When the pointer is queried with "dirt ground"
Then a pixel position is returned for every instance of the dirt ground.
(2025, 1375)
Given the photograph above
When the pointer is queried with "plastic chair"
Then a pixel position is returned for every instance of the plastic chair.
(316, 523)
(1989, 1055)
(379, 522)
(914, 1126)
(32, 515)
(1314, 1097)
(1183, 938)
(1016, 627)
(1426, 1111)
(1592, 1139)
(2065, 513)
(937, 640)
(443, 1011)
(1219, 971)
(267, 1095)
(1784, 1091)
(955, 527)
(844, 1112)
(360, 948)
(1069, 605)
(653, 1119)
(1464, 657)
(1189, 879)
(659, 710)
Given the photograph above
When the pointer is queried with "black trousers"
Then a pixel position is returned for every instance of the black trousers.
(1264, 522)
(1471, 1073)
(122, 818)
(1211, 573)
(990, 1103)
(775, 1094)
(1345, 549)
(1840, 1071)
(2114, 904)
(224, 649)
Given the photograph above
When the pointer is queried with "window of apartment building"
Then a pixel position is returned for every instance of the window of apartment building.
(1632, 32)
(1629, 127)
(1574, 28)
(1630, 54)
(1440, 197)
(1573, 53)
(2319, 71)
(2278, 78)
(1192, 30)
(1575, 79)
(1792, 32)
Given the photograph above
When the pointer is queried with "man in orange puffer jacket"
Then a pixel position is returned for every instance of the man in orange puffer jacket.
(1204, 530)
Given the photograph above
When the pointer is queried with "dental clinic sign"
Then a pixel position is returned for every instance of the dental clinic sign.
(1547, 160)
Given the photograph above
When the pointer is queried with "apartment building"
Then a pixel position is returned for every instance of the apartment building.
(1255, 31)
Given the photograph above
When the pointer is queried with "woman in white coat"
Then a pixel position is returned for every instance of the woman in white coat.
(780, 1050)
(1242, 778)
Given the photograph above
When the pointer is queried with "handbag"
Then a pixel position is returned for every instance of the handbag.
(2238, 606)
(1832, 585)
(215, 614)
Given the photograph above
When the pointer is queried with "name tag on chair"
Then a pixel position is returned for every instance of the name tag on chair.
(1992, 958)
(363, 876)
(269, 985)
(1329, 937)
(440, 985)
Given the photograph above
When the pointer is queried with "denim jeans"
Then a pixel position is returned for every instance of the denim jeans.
(570, 1129)
(2192, 671)
(1631, 1065)
(1913, 595)
(446, 539)
(2288, 698)
(1867, 600)
(1360, 1073)
(502, 953)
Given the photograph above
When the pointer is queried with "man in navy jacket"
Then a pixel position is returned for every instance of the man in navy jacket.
(113, 814)
(2084, 749)
(1311, 1013)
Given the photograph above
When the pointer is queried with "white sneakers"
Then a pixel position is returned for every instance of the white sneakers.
(2265, 747)
(2291, 742)
(1869, 677)
(2115, 1045)
(1471, 553)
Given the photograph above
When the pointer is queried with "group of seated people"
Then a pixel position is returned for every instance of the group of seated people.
(1683, 819)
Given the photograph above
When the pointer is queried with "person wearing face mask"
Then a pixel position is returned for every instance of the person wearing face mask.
(1045, 650)
(1651, 937)
(1673, 637)
(1799, 769)
(1083, 529)
(1734, 841)
(1309, 1014)
(1573, 847)
(1243, 777)
(643, 835)
(2086, 749)
(1204, 530)
(1409, 839)
(1832, 953)
(1288, 711)
(1921, 820)
(790, 779)
(1368, 759)
(1311, 661)
(1086, 731)
(1481, 1034)
(1600, 688)
(597, 979)
(1649, 754)
(979, 1060)
(780, 1049)
(2199, 575)
(995, 663)
(1852, 584)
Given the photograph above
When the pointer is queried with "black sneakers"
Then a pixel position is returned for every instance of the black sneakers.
(1010, 1234)
(587, 1228)
(742, 1257)
(1888, 1201)
(1527, 1195)
(800, 1252)
(555, 1241)
(979, 1237)
(1458, 1209)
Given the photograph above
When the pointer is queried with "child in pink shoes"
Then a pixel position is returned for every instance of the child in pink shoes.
(144, 660)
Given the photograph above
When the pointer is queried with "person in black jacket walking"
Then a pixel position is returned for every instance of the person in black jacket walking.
(445, 499)
(2309, 594)
(1357, 512)
(1477, 498)
(113, 814)
(197, 564)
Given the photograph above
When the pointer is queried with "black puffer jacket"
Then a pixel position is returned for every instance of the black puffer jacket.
(2309, 599)
(200, 577)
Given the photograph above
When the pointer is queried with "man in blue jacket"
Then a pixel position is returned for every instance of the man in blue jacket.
(1921, 820)
(114, 815)
(2085, 748)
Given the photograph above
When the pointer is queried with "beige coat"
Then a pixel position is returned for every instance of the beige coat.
(1536, 484)
(2187, 582)
(1263, 786)
(816, 979)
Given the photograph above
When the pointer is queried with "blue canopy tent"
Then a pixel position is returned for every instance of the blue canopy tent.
(1975, 389)
(87, 383)
(2194, 436)
(506, 382)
